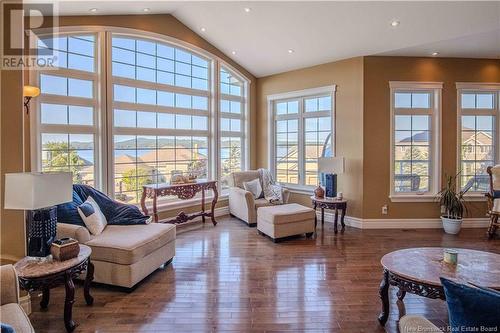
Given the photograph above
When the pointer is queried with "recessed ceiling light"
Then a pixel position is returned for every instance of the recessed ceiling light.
(146, 10)
(435, 54)
(290, 51)
(247, 9)
(233, 52)
(395, 23)
(93, 10)
(203, 29)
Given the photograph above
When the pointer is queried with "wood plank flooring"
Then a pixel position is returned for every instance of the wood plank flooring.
(229, 279)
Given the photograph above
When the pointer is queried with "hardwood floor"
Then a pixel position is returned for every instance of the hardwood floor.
(228, 278)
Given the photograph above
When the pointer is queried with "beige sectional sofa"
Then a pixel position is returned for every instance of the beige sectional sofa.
(123, 255)
(241, 202)
(11, 312)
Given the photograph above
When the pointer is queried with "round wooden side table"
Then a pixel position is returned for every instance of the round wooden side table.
(418, 270)
(44, 275)
(330, 203)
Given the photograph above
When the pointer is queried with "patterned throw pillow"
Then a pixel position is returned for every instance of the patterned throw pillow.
(253, 187)
(92, 216)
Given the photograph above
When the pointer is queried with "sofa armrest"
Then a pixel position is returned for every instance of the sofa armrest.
(81, 234)
(9, 288)
(409, 324)
(285, 193)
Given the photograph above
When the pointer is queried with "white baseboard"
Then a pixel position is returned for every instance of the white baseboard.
(435, 223)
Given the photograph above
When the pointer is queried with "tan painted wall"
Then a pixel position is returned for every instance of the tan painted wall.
(378, 71)
(348, 76)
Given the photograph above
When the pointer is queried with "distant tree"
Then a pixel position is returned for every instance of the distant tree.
(59, 157)
(135, 179)
(233, 162)
(198, 167)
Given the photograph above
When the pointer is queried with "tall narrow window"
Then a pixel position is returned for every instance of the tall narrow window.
(302, 131)
(415, 139)
(478, 117)
(160, 114)
(68, 107)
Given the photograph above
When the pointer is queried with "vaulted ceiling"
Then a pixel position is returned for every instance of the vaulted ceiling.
(273, 37)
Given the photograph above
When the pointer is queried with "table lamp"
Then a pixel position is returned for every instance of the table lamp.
(328, 168)
(38, 193)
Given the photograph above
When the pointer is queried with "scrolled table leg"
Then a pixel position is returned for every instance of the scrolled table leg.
(214, 201)
(384, 297)
(86, 285)
(44, 303)
(68, 303)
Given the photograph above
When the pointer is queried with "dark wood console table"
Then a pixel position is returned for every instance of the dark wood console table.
(184, 192)
(330, 203)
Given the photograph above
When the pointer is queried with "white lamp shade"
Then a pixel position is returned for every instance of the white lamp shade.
(331, 165)
(32, 190)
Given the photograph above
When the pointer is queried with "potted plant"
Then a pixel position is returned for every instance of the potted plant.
(453, 205)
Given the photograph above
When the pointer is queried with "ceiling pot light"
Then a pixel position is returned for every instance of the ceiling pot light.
(93, 10)
(290, 51)
(247, 9)
(395, 23)
(203, 29)
(435, 54)
(146, 10)
(233, 52)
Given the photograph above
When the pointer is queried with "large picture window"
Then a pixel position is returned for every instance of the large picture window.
(302, 132)
(124, 109)
(478, 134)
(415, 109)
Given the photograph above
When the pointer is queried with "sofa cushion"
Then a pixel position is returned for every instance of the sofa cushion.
(128, 244)
(289, 213)
(13, 315)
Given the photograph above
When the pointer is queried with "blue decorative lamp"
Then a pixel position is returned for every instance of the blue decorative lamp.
(38, 193)
(329, 168)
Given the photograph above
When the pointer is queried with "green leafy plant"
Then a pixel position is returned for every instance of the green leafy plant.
(453, 202)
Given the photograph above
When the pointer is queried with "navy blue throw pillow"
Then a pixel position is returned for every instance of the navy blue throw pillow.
(470, 308)
(496, 194)
(114, 211)
(6, 328)
(87, 209)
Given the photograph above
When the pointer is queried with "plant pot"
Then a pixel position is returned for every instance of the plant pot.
(451, 226)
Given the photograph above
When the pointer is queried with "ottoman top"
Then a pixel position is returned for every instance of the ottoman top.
(289, 213)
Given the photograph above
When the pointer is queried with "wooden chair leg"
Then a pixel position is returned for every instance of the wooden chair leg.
(493, 226)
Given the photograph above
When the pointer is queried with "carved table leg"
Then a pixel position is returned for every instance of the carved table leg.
(44, 303)
(68, 303)
(336, 220)
(315, 215)
(401, 294)
(214, 201)
(384, 297)
(143, 202)
(342, 218)
(155, 208)
(322, 217)
(86, 285)
(203, 206)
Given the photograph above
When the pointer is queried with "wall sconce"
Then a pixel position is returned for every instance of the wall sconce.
(29, 92)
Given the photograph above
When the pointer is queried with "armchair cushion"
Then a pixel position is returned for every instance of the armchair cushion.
(253, 187)
(9, 288)
(241, 177)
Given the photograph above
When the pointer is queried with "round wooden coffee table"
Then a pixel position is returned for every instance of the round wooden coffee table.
(44, 275)
(418, 270)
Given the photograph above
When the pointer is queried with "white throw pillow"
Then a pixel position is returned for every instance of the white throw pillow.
(253, 187)
(92, 216)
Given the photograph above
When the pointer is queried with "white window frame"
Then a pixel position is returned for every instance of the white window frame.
(301, 95)
(435, 90)
(103, 114)
(474, 87)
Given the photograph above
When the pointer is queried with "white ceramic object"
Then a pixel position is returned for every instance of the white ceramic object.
(451, 226)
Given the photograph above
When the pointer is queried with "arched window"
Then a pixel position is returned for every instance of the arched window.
(126, 108)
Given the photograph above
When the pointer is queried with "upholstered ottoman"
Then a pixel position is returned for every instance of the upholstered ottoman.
(287, 220)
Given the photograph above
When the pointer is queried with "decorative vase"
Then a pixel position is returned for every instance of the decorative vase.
(319, 192)
(451, 226)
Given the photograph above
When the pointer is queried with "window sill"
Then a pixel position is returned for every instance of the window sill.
(178, 204)
(308, 190)
(413, 198)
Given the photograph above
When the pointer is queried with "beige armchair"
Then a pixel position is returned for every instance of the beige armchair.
(11, 313)
(241, 202)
